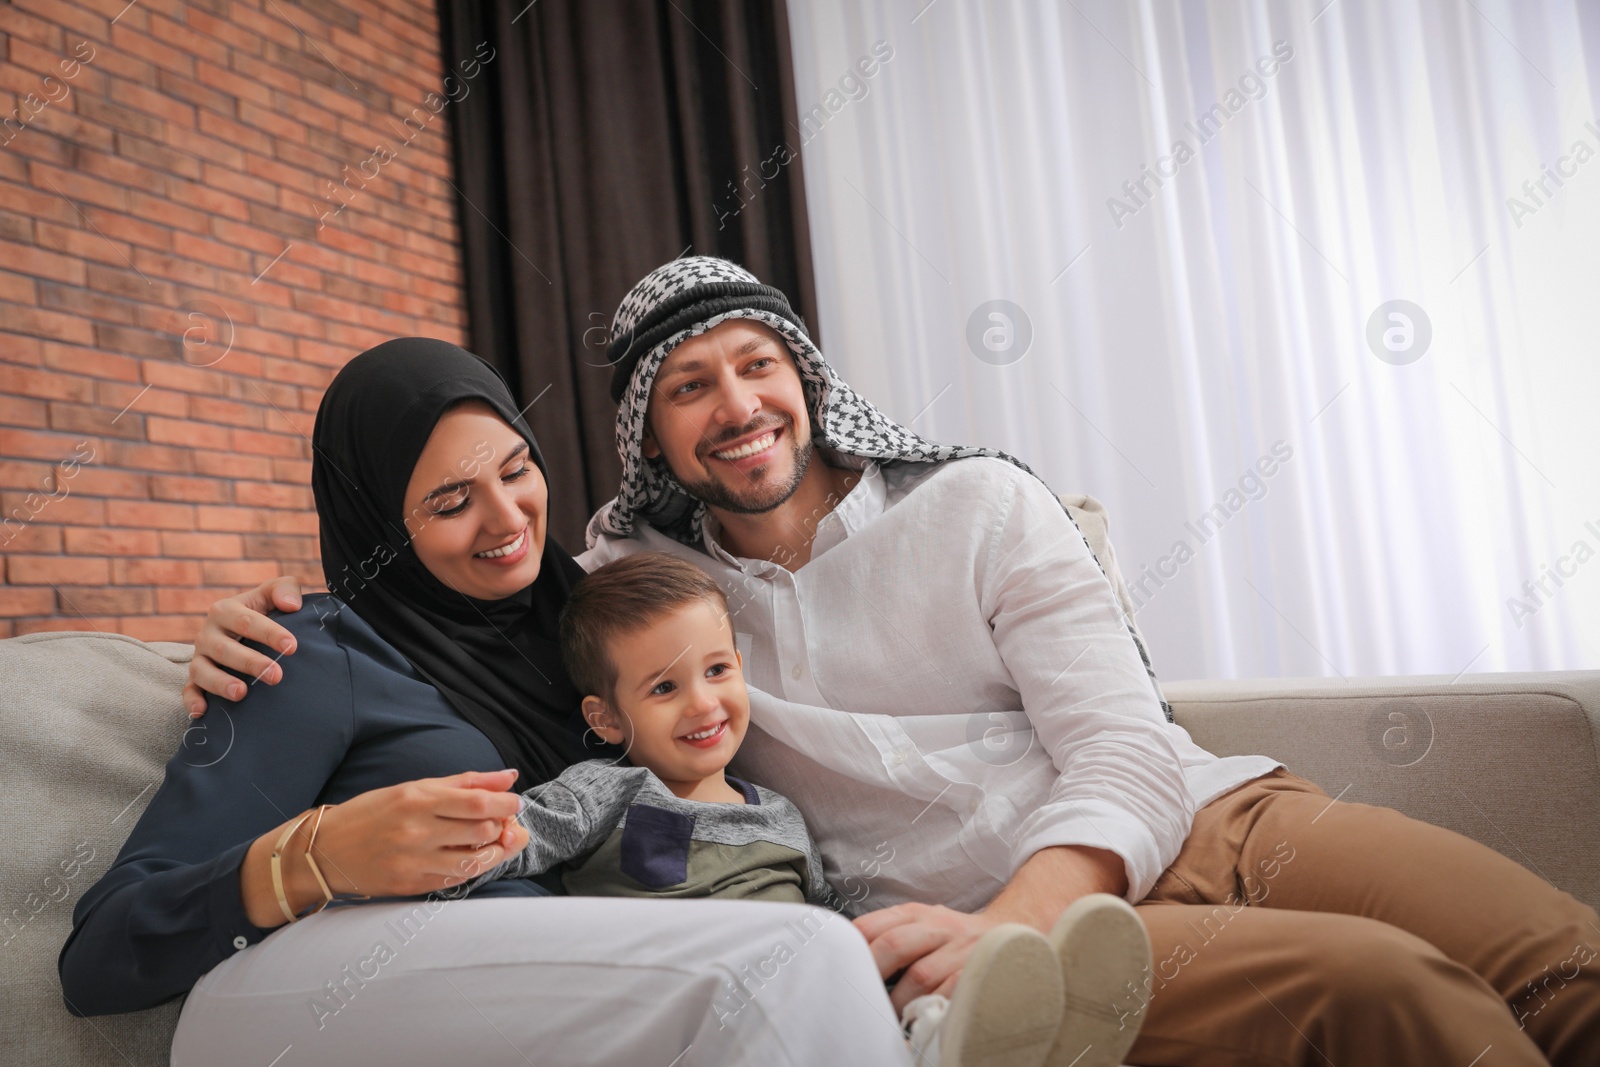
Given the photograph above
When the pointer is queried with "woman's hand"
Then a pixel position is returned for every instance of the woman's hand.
(420, 836)
(218, 644)
(400, 841)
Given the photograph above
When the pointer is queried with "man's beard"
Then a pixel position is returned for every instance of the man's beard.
(750, 498)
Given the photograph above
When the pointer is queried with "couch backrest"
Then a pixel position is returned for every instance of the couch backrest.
(1093, 520)
(87, 724)
(1509, 759)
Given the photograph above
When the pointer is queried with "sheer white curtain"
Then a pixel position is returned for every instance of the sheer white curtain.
(1202, 213)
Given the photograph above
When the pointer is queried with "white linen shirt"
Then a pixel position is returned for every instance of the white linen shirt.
(947, 687)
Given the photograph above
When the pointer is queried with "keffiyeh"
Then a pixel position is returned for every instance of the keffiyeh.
(687, 297)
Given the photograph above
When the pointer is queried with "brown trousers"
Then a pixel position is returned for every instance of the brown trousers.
(1293, 929)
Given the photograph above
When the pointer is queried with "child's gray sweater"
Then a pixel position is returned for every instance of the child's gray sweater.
(618, 831)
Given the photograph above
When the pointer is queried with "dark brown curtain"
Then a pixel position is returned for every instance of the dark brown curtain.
(602, 139)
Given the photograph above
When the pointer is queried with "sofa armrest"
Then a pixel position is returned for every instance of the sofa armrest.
(1511, 760)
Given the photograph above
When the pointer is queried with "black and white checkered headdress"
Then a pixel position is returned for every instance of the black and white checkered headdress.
(687, 297)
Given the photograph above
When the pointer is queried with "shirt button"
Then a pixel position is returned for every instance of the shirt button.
(899, 757)
(795, 673)
(240, 942)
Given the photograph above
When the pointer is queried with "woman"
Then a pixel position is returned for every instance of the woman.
(425, 684)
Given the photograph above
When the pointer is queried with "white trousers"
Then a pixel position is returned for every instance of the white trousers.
(550, 981)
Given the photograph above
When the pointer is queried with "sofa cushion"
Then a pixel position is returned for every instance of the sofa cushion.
(1510, 759)
(1095, 522)
(87, 725)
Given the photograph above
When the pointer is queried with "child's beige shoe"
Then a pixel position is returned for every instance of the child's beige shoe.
(1006, 1011)
(1104, 951)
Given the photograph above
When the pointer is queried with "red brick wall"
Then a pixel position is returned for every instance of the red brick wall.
(173, 300)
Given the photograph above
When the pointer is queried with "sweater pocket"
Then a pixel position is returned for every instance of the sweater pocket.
(655, 846)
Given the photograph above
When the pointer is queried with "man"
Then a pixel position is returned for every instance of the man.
(958, 705)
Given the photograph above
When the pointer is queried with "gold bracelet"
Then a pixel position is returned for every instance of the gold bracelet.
(323, 882)
(315, 870)
(277, 866)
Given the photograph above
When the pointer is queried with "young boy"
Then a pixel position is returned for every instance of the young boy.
(648, 639)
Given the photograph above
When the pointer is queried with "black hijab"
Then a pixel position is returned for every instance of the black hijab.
(498, 662)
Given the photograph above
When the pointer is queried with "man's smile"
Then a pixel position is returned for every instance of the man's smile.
(750, 448)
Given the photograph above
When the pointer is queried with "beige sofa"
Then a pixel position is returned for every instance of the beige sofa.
(89, 720)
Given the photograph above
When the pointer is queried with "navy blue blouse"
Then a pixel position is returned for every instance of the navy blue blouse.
(349, 715)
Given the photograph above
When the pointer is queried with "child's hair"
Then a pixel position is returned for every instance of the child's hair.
(621, 598)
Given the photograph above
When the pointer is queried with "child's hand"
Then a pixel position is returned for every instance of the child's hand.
(513, 835)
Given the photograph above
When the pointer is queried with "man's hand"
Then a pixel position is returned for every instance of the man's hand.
(218, 644)
(933, 942)
(930, 943)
